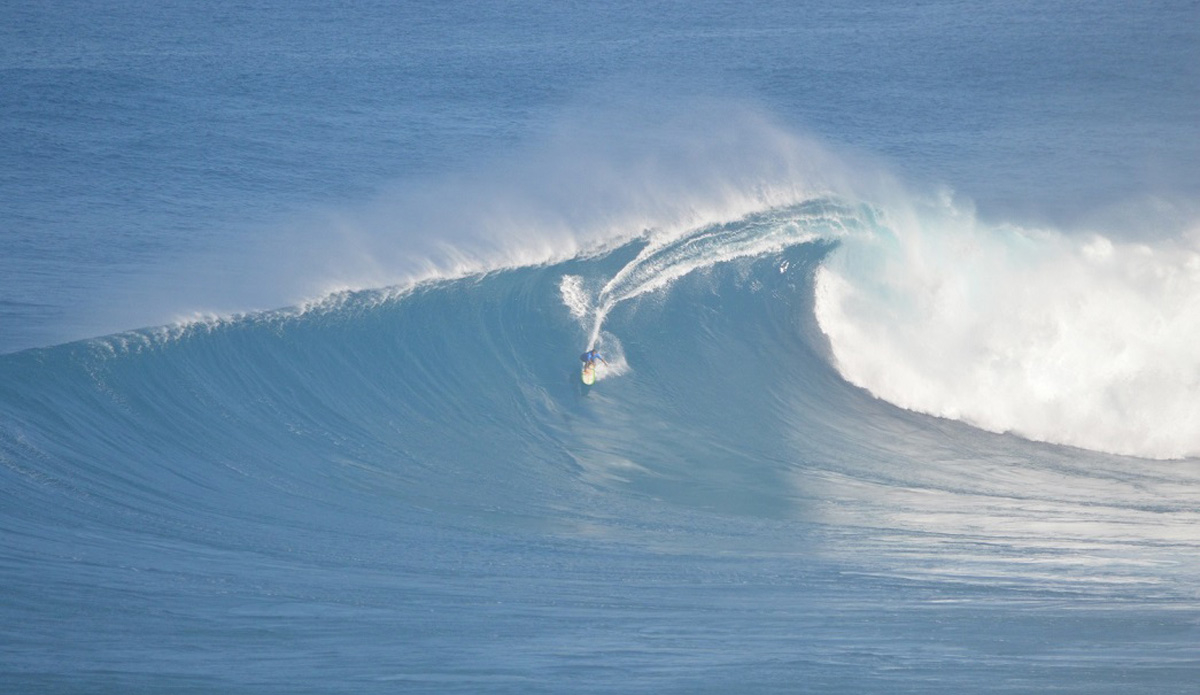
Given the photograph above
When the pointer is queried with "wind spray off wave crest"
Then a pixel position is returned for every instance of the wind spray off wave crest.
(1086, 342)
(601, 175)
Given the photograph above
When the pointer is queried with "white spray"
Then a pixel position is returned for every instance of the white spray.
(666, 258)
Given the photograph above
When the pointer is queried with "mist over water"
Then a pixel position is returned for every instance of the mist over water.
(598, 177)
(155, 171)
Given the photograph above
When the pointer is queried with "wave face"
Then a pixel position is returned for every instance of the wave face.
(413, 490)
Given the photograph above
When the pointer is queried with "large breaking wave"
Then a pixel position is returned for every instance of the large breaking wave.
(1070, 338)
(1079, 341)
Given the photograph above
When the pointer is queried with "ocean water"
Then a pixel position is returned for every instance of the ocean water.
(900, 305)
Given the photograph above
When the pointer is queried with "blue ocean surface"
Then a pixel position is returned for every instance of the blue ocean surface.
(899, 302)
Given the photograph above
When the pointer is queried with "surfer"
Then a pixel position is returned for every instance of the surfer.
(589, 358)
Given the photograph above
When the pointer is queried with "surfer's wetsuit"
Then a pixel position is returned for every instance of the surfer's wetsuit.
(591, 356)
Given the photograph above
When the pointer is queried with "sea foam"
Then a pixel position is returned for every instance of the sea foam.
(1074, 339)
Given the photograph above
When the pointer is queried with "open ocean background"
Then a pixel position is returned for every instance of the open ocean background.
(901, 302)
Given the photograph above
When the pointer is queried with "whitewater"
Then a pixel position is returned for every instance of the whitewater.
(900, 306)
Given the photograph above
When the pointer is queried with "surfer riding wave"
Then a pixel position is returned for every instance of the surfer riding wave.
(590, 357)
(590, 360)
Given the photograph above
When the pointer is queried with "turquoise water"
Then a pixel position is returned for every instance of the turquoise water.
(899, 304)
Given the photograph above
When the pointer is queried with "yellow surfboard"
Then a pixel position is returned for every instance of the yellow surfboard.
(589, 374)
